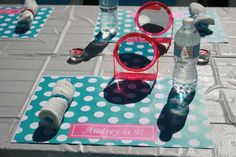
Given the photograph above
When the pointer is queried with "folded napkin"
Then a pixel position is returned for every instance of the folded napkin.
(51, 115)
(26, 17)
(64, 89)
(199, 14)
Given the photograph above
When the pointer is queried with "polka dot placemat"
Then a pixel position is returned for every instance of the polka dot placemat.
(218, 34)
(8, 22)
(96, 101)
(136, 48)
(127, 25)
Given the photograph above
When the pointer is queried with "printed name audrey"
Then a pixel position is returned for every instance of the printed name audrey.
(103, 131)
(113, 132)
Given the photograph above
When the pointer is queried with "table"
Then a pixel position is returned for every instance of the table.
(23, 62)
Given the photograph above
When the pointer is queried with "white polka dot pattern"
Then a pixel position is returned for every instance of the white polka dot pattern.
(65, 126)
(126, 25)
(113, 120)
(82, 119)
(8, 23)
(99, 114)
(85, 108)
(61, 138)
(89, 106)
(28, 137)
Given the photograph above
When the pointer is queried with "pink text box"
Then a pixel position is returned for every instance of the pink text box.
(10, 11)
(114, 131)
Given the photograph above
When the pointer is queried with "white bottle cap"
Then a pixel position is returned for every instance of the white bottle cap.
(188, 21)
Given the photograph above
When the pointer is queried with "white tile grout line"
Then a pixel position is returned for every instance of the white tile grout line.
(63, 33)
(34, 86)
(230, 118)
(98, 66)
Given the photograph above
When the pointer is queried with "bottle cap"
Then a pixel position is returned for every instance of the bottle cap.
(188, 21)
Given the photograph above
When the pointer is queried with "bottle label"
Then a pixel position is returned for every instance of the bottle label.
(191, 52)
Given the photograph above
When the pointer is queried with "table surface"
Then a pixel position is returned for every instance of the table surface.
(23, 62)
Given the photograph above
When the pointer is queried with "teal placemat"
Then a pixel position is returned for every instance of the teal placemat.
(126, 25)
(96, 103)
(218, 31)
(9, 19)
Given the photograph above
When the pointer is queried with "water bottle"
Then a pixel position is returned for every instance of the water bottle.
(109, 17)
(184, 80)
(186, 53)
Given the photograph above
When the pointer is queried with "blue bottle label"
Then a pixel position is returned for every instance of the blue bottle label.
(187, 52)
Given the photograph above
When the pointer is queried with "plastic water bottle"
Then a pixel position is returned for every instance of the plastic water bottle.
(109, 17)
(186, 53)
